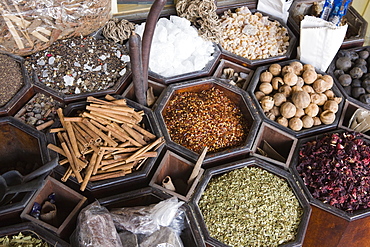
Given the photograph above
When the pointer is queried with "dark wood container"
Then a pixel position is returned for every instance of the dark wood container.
(237, 95)
(250, 162)
(22, 148)
(179, 170)
(23, 94)
(357, 25)
(253, 64)
(328, 225)
(68, 204)
(348, 110)
(146, 196)
(253, 87)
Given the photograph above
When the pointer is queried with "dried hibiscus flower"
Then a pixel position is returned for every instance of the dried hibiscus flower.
(335, 169)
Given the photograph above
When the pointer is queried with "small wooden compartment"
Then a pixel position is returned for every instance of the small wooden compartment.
(237, 68)
(68, 204)
(280, 141)
(179, 170)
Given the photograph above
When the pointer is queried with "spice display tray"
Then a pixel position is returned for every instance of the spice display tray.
(303, 132)
(22, 148)
(237, 95)
(31, 228)
(179, 170)
(357, 25)
(253, 64)
(328, 225)
(283, 143)
(146, 196)
(24, 93)
(250, 162)
(68, 204)
(237, 68)
(348, 110)
(108, 186)
(331, 70)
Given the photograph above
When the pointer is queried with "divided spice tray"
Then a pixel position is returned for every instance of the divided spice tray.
(329, 225)
(232, 167)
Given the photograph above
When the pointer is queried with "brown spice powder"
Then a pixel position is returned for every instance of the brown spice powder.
(11, 79)
(207, 118)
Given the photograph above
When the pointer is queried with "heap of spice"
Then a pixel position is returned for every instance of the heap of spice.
(40, 112)
(11, 78)
(250, 207)
(79, 65)
(23, 239)
(335, 168)
(206, 118)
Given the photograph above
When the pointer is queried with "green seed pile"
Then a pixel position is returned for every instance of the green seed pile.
(250, 207)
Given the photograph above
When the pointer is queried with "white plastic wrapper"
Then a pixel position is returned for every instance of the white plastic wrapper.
(28, 26)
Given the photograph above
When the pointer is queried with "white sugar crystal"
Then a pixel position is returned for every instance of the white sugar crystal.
(77, 64)
(122, 72)
(125, 58)
(41, 62)
(103, 57)
(68, 80)
(87, 67)
(98, 68)
(45, 73)
(51, 60)
(77, 90)
(79, 80)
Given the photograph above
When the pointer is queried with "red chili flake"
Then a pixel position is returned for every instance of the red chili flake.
(336, 170)
(49, 55)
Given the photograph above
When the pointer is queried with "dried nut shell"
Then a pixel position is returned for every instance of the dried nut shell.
(271, 116)
(308, 89)
(297, 67)
(309, 76)
(295, 124)
(279, 98)
(275, 110)
(286, 90)
(312, 110)
(266, 88)
(267, 103)
(329, 94)
(329, 81)
(275, 69)
(299, 113)
(307, 121)
(301, 99)
(266, 77)
(308, 67)
(319, 86)
(296, 88)
(282, 121)
(288, 110)
(290, 78)
(316, 121)
(318, 98)
(276, 82)
(259, 95)
(287, 69)
(327, 117)
(331, 105)
(300, 81)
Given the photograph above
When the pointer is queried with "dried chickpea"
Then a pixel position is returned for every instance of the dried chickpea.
(308, 67)
(259, 95)
(309, 76)
(300, 81)
(296, 88)
(275, 110)
(287, 69)
(307, 121)
(290, 78)
(282, 121)
(266, 77)
(286, 90)
(275, 69)
(329, 81)
(330, 94)
(279, 98)
(270, 116)
(319, 85)
(295, 124)
(288, 110)
(266, 88)
(297, 67)
(331, 105)
(316, 121)
(301, 99)
(276, 82)
(312, 110)
(299, 112)
(267, 103)
(308, 89)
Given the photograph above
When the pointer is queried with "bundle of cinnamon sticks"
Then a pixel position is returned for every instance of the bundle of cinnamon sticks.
(104, 141)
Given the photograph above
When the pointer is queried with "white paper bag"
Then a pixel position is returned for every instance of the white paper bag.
(320, 40)
(277, 8)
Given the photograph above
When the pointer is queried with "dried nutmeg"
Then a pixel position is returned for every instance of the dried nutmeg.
(331, 105)
(295, 124)
(307, 121)
(329, 81)
(316, 121)
(259, 95)
(266, 88)
(290, 78)
(297, 67)
(266, 76)
(276, 82)
(279, 98)
(287, 69)
(300, 81)
(308, 67)
(329, 94)
(275, 110)
(327, 117)
(286, 90)
(312, 110)
(299, 113)
(267, 103)
(309, 76)
(270, 115)
(319, 85)
(296, 88)
(308, 89)
(275, 69)
(288, 110)
(282, 121)
(301, 99)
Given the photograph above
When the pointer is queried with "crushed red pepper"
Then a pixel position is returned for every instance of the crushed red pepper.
(336, 170)
(207, 118)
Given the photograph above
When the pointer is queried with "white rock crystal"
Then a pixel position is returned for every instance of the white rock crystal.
(176, 47)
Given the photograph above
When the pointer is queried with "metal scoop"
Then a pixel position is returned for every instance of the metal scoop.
(15, 189)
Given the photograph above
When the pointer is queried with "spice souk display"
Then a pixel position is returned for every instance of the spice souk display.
(23, 240)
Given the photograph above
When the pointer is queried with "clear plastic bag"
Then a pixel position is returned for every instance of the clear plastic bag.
(30, 26)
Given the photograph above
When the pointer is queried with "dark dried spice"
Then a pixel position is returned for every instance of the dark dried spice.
(335, 169)
(207, 118)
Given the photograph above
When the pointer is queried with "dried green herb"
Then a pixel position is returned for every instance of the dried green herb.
(22, 240)
(250, 207)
